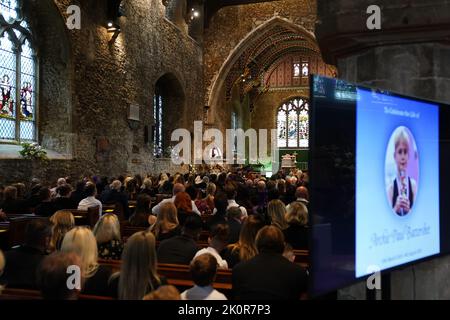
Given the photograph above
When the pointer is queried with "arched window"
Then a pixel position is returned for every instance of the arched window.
(168, 108)
(158, 122)
(293, 124)
(17, 75)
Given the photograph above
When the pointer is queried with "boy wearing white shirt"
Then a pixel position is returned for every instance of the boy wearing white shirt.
(203, 271)
(216, 243)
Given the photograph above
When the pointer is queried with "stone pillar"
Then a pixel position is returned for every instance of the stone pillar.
(409, 55)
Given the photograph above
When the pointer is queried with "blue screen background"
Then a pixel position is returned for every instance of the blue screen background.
(384, 239)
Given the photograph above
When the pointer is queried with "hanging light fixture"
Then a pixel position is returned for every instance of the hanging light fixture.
(115, 11)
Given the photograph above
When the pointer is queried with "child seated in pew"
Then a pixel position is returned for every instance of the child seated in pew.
(203, 270)
(217, 242)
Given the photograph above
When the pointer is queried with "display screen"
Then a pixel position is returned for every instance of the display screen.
(397, 181)
(376, 169)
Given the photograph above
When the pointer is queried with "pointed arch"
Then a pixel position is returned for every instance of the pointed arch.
(249, 45)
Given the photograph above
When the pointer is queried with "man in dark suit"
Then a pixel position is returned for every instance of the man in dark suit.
(269, 276)
(22, 262)
(181, 249)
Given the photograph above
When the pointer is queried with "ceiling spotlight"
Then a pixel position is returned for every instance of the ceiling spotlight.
(113, 27)
(194, 14)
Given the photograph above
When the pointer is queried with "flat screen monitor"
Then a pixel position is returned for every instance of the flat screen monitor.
(378, 182)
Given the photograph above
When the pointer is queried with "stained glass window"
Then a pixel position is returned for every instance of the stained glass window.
(305, 69)
(296, 69)
(293, 124)
(8, 9)
(234, 126)
(17, 76)
(158, 123)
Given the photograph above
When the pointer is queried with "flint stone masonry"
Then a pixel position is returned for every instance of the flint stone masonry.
(88, 80)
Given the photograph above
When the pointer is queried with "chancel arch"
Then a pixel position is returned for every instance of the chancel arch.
(267, 70)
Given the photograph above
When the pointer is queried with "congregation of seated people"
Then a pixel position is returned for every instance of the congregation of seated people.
(252, 227)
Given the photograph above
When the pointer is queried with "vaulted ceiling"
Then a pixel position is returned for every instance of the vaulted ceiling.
(265, 51)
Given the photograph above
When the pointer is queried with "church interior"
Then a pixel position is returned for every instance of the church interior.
(92, 92)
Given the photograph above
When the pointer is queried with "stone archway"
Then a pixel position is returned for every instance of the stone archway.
(255, 37)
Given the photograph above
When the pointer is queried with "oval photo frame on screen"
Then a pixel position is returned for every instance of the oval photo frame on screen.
(402, 171)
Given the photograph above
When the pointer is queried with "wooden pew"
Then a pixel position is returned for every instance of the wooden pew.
(127, 231)
(302, 257)
(132, 204)
(86, 217)
(204, 235)
(12, 232)
(180, 276)
(115, 208)
(20, 294)
(200, 244)
(4, 235)
(25, 294)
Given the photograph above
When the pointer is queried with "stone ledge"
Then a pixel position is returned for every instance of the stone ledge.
(11, 151)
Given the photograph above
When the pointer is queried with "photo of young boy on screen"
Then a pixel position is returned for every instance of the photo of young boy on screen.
(403, 189)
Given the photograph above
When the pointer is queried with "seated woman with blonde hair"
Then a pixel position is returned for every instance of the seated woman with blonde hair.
(138, 275)
(276, 211)
(107, 234)
(296, 234)
(62, 221)
(81, 241)
(166, 225)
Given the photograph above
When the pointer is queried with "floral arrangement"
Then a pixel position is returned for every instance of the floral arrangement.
(33, 151)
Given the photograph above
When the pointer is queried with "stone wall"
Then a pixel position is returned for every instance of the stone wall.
(103, 75)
